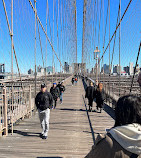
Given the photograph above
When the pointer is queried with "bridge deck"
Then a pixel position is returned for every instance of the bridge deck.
(71, 133)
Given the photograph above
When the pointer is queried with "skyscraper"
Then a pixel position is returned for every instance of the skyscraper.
(131, 70)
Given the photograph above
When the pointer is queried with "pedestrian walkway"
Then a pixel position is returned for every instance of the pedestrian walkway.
(71, 134)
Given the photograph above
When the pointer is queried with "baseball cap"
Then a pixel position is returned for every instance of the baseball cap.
(54, 83)
(43, 85)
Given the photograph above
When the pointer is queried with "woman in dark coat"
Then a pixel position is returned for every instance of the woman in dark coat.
(90, 93)
(99, 96)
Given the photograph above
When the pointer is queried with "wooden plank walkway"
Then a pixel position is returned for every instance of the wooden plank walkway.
(70, 135)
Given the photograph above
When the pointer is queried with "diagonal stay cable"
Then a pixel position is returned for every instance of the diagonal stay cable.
(117, 28)
(45, 33)
(115, 38)
(13, 42)
(135, 67)
(40, 43)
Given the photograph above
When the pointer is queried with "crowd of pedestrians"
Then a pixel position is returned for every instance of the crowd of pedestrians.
(74, 80)
(121, 141)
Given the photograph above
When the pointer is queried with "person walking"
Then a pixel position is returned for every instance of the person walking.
(90, 94)
(62, 89)
(44, 101)
(73, 79)
(124, 139)
(76, 80)
(54, 90)
(99, 97)
(58, 85)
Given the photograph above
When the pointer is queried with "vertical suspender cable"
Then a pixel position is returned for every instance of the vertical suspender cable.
(35, 47)
(96, 11)
(62, 31)
(119, 44)
(50, 42)
(46, 44)
(55, 66)
(52, 50)
(103, 41)
(100, 8)
(76, 29)
(12, 40)
(60, 38)
(109, 48)
(12, 58)
(117, 28)
(93, 35)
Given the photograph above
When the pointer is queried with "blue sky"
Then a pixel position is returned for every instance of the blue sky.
(24, 34)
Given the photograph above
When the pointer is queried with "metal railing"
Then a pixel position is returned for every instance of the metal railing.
(23, 104)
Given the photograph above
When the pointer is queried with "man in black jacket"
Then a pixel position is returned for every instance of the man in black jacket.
(44, 102)
(61, 89)
(55, 93)
(90, 94)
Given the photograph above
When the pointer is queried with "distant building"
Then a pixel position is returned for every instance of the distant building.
(30, 72)
(126, 69)
(117, 69)
(66, 67)
(2, 68)
(105, 68)
(97, 68)
(131, 69)
(79, 68)
(2, 71)
(87, 70)
(50, 70)
(70, 69)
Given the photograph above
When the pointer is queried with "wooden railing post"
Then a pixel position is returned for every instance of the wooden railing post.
(5, 112)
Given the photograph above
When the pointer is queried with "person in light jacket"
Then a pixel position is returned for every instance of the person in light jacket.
(124, 139)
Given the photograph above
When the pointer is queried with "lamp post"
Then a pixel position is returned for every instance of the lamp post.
(96, 56)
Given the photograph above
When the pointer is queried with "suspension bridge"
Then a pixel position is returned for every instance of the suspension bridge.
(51, 41)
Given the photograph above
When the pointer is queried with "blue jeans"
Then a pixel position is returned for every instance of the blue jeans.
(61, 96)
